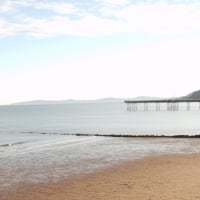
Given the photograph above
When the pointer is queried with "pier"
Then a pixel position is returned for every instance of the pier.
(168, 104)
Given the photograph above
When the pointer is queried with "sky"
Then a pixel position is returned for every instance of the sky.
(75, 49)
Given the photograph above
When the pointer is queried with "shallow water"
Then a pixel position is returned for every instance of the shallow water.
(60, 157)
(28, 155)
(104, 118)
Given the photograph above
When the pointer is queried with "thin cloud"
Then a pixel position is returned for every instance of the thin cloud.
(156, 18)
(116, 2)
(63, 8)
(5, 6)
(64, 26)
(6, 29)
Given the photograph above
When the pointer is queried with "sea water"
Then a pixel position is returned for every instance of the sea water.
(36, 144)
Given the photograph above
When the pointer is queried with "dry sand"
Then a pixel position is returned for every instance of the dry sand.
(155, 178)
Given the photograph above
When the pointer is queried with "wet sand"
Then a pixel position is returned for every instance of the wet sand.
(175, 177)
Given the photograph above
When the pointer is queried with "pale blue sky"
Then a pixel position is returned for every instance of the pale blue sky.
(98, 48)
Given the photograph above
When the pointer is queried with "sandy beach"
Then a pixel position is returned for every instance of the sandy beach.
(164, 177)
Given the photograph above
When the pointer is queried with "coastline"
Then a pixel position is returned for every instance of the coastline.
(162, 177)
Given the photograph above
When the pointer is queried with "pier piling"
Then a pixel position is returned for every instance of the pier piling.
(171, 104)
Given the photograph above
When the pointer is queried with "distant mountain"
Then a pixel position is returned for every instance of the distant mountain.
(142, 98)
(69, 101)
(42, 102)
(194, 95)
(112, 99)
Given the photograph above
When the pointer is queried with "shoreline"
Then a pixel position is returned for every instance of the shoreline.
(161, 177)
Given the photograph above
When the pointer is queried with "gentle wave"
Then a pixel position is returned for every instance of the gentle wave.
(46, 145)
(11, 144)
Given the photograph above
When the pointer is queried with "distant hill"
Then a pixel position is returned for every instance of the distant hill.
(112, 99)
(69, 101)
(194, 95)
(142, 98)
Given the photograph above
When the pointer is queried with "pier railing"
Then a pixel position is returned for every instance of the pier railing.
(170, 104)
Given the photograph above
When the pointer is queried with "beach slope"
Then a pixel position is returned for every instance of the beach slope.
(175, 177)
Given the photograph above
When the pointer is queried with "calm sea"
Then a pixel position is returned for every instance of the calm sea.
(26, 154)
